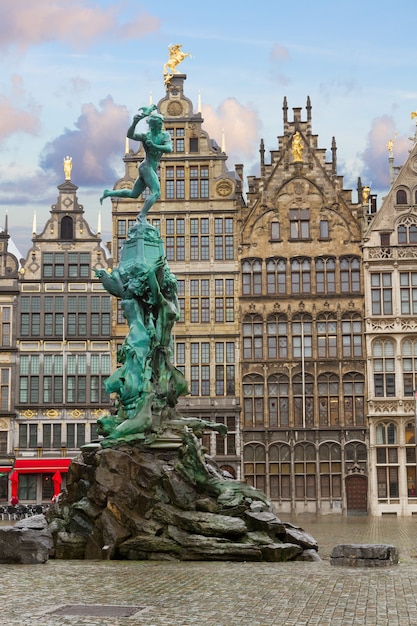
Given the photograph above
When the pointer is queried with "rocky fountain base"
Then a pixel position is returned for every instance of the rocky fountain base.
(128, 502)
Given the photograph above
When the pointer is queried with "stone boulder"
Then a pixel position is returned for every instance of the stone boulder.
(29, 541)
(364, 555)
(129, 502)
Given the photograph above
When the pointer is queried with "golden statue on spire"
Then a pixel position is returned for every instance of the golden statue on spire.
(176, 56)
(297, 147)
(67, 167)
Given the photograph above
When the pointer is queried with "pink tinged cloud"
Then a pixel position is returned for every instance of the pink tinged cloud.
(375, 155)
(96, 143)
(78, 23)
(241, 127)
(18, 113)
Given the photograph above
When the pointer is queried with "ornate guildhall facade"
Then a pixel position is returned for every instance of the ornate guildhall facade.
(304, 425)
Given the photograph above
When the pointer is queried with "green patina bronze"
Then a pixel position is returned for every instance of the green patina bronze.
(146, 386)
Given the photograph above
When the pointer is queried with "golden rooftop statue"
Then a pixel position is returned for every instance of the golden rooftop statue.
(297, 147)
(176, 56)
(413, 115)
(365, 194)
(390, 145)
(67, 167)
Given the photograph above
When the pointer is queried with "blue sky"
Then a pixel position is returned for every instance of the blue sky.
(74, 72)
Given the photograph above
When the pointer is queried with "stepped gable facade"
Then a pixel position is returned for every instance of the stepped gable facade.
(304, 425)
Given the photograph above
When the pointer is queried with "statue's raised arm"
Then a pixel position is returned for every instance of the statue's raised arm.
(156, 142)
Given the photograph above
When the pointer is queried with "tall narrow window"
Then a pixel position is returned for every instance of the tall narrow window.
(325, 275)
(383, 354)
(330, 456)
(276, 276)
(299, 223)
(381, 293)
(354, 399)
(253, 400)
(252, 277)
(408, 293)
(302, 337)
(255, 465)
(351, 336)
(252, 330)
(280, 471)
(303, 395)
(326, 336)
(305, 471)
(277, 332)
(278, 401)
(387, 461)
(350, 275)
(409, 360)
(328, 391)
(300, 276)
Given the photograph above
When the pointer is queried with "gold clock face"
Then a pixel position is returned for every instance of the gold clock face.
(174, 109)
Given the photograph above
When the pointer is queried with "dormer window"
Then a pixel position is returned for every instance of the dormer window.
(407, 233)
(67, 228)
(401, 197)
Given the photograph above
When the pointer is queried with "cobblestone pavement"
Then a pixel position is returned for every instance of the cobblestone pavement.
(225, 594)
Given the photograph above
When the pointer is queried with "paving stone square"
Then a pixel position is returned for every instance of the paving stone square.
(227, 594)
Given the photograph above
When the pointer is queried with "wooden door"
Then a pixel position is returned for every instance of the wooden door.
(356, 494)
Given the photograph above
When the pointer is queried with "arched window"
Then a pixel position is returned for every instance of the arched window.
(401, 196)
(277, 331)
(252, 330)
(407, 231)
(252, 277)
(303, 395)
(326, 336)
(328, 390)
(300, 276)
(356, 455)
(409, 360)
(330, 456)
(278, 401)
(276, 276)
(387, 460)
(351, 336)
(325, 275)
(354, 399)
(350, 274)
(383, 352)
(253, 400)
(305, 471)
(254, 465)
(302, 337)
(67, 228)
(279, 471)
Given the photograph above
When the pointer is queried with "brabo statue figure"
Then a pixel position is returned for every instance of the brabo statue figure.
(155, 143)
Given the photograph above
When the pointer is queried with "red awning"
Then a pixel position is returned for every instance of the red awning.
(35, 466)
(5, 468)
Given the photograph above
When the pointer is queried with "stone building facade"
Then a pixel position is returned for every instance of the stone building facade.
(63, 326)
(390, 274)
(297, 325)
(304, 425)
(198, 218)
(9, 290)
